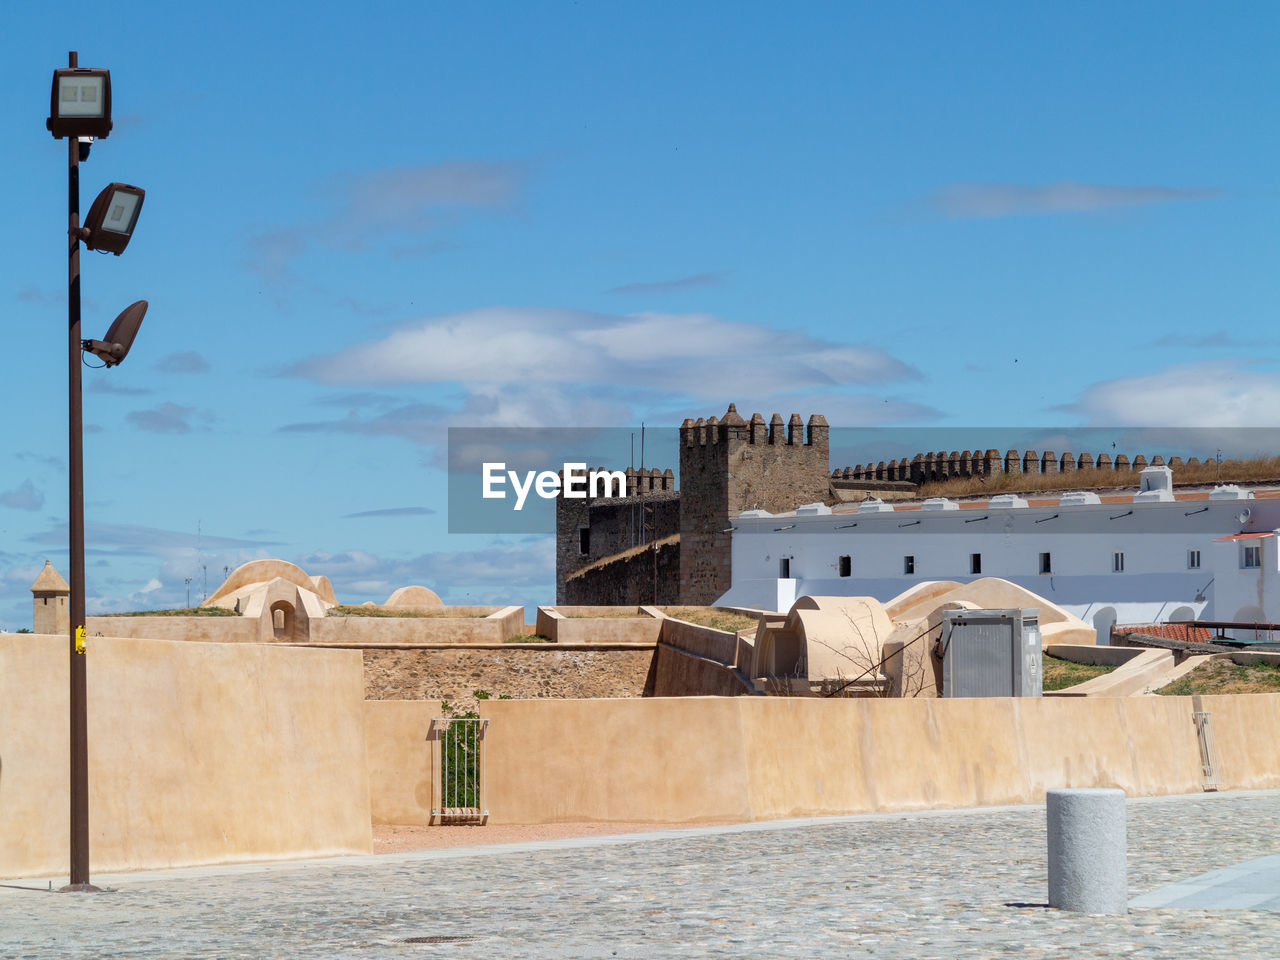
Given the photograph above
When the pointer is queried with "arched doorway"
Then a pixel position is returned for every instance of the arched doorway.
(1103, 621)
(282, 616)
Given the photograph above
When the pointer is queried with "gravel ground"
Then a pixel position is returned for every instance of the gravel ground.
(925, 885)
(403, 839)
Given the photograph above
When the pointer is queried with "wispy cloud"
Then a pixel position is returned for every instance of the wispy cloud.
(138, 539)
(185, 361)
(390, 512)
(659, 287)
(500, 572)
(1216, 393)
(166, 418)
(33, 294)
(404, 205)
(25, 496)
(980, 201)
(108, 384)
(1212, 341)
(409, 200)
(55, 463)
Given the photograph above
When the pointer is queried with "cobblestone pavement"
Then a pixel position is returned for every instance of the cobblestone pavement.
(953, 884)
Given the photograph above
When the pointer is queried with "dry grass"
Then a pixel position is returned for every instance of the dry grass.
(1059, 674)
(605, 613)
(184, 612)
(1225, 676)
(716, 619)
(1233, 471)
(528, 638)
(341, 611)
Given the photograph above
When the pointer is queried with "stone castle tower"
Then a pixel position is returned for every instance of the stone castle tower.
(731, 465)
(49, 602)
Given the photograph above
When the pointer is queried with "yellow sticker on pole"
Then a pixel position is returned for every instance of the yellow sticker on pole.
(79, 639)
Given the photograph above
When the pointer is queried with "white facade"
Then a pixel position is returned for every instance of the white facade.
(1148, 559)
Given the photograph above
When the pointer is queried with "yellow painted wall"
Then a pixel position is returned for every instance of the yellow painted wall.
(198, 753)
(199, 629)
(496, 627)
(706, 758)
(400, 759)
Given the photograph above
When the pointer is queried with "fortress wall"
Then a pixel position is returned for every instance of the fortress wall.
(944, 465)
(705, 758)
(198, 753)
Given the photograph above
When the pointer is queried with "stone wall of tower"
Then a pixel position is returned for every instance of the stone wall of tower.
(613, 524)
(50, 614)
(731, 465)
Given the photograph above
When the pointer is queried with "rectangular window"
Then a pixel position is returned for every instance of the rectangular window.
(1117, 562)
(846, 566)
(784, 568)
(908, 565)
(975, 563)
(584, 540)
(1193, 559)
(1251, 556)
(1046, 564)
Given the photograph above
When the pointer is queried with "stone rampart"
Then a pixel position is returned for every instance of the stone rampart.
(941, 465)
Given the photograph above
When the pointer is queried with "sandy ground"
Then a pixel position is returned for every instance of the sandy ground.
(397, 839)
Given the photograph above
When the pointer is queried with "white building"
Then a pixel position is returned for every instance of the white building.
(1144, 557)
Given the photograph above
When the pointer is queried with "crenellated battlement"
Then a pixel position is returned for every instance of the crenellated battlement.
(732, 428)
(941, 465)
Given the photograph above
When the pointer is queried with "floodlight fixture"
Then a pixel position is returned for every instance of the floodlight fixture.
(80, 104)
(110, 221)
(112, 349)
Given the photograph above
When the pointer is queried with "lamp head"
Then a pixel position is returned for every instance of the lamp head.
(112, 217)
(115, 347)
(80, 104)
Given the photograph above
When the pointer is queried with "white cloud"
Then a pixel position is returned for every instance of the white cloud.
(696, 355)
(1215, 393)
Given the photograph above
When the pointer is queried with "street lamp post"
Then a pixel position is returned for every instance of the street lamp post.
(75, 463)
(80, 111)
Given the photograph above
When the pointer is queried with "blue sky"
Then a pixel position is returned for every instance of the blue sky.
(367, 224)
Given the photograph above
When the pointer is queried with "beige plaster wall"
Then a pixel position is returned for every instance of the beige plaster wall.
(400, 759)
(499, 624)
(200, 629)
(679, 673)
(765, 757)
(577, 625)
(674, 760)
(198, 753)
(703, 641)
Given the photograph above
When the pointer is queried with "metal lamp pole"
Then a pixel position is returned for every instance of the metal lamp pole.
(75, 463)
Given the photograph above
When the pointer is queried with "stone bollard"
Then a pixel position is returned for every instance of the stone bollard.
(1087, 870)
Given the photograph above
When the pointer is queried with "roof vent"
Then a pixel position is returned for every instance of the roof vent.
(813, 510)
(1078, 498)
(1230, 491)
(939, 503)
(1008, 501)
(875, 505)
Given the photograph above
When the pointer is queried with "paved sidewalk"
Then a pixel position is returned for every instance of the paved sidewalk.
(940, 884)
(1247, 886)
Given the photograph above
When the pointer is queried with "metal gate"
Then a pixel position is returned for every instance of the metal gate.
(460, 787)
(1210, 765)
